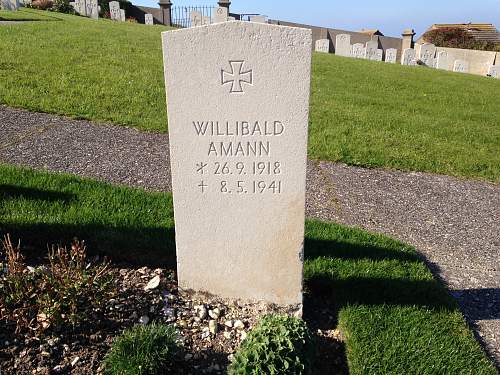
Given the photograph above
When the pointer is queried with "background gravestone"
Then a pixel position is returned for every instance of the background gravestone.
(322, 45)
(443, 61)
(343, 45)
(220, 14)
(427, 54)
(238, 108)
(461, 66)
(205, 20)
(358, 51)
(114, 10)
(258, 19)
(148, 19)
(494, 71)
(122, 15)
(195, 18)
(379, 55)
(391, 55)
(80, 7)
(11, 5)
(409, 57)
(92, 9)
(371, 50)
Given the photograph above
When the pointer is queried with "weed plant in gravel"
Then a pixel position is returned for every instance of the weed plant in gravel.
(279, 344)
(71, 290)
(394, 316)
(362, 112)
(142, 350)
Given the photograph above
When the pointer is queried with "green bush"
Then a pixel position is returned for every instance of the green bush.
(142, 350)
(277, 345)
(453, 37)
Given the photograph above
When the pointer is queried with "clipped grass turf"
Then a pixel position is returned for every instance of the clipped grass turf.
(396, 318)
(362, 112)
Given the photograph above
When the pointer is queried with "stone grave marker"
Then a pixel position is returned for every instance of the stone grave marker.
(92, 8)
(231, 18)
(122, 15)
(114, 10)
(80, 7)
(220, 14)
(358, 51)
(379, 55)
(371, 52)
(238, 157)
(148, 19)
(73, 5)
(461, 66)
(196, 18)
(343, 45)
(258, 19)
(10, 5)
(322, 45)
(494, 71)
(205, 20)
(443, 61)
(391, 55)
(427, 54)
(409, 57)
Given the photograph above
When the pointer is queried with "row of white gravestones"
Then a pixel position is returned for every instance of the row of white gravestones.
(148, 19)
(88, 8)
(115, 13)
(219, 15)
(344, 48)
(239, 149)
(11, 5)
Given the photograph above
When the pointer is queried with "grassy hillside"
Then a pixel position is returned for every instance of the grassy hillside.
(362, 112)
(395, 317)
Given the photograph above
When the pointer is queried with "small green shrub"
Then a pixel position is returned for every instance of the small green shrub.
(277, 345)
(142, 350)
(62, 6)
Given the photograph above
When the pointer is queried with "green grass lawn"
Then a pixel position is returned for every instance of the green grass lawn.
(396, 318)
(362, 112)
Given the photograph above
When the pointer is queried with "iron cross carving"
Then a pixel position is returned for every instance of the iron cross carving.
(237, 76)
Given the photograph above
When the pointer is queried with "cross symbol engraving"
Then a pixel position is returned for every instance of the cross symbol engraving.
(237, 76)
(202, 185)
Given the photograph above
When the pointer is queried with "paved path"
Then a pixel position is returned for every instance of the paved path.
(454, 223)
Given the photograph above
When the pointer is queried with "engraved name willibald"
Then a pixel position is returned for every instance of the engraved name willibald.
(258, 174)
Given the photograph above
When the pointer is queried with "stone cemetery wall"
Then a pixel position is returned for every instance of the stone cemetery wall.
(238, 105)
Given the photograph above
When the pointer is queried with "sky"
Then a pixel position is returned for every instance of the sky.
(389, 16)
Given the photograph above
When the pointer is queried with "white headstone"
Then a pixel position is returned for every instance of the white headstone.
(11, 5)
(494, 71)
(391, 55)
(73, 5)
(427, 54)
(205, 20)
(238, 157)
(443, 61)
(114, 10)
(322, 45)
(461, 66)
(258, 19)
(220, 14)
(358, 51)
(409, 57)
(196, 18)
(80, 7)
(371, 52)
(122, 15)
(343, 45)
(148, 19)
(379, 55)
(92, 9)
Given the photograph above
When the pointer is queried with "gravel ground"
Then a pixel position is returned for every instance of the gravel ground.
(454, 223)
